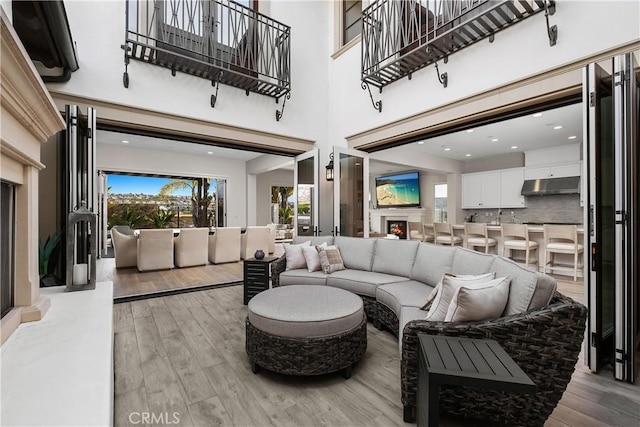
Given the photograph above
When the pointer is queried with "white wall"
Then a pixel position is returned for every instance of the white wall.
(127, 159)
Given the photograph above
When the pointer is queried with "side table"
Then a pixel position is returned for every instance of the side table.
(463, 361)
(256, 276)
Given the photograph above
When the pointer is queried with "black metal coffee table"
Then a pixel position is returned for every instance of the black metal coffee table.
(466, 362)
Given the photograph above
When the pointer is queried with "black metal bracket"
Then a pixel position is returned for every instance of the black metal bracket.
(376, 104)
(125, 75)
(552, 31)
(442, 78)
(279, 113)
(215, 83)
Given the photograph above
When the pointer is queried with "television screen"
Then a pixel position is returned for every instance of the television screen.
(398, 190)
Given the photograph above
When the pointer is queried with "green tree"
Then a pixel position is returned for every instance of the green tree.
(129, 216)
(200, 197)
(160, 218)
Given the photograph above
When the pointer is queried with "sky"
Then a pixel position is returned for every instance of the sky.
(123, 184)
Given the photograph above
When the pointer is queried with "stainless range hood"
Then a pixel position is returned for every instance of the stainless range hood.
(548, 186)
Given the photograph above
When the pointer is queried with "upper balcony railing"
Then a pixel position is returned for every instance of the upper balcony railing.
(219, 40)
(400, 37)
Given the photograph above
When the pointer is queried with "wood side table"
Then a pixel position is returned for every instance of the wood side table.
(463, 361)
(256, 276)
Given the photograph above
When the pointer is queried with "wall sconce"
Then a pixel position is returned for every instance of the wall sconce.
(329, 168)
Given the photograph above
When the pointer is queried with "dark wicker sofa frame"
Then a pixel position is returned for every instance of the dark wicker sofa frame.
(545, 343)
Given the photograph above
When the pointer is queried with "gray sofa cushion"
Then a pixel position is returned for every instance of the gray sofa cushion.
(466, 261)
(302, 277)
(431, 263)
(315, 240)
(409, 293)
(529, 289)
(407, 314)
(361, 282)
(394, 256)
(356, 252)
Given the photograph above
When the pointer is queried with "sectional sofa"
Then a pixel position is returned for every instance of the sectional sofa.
(541, 329)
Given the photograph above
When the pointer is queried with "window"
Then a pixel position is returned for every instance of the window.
(440, 210)
(7, 229)
(351, 20)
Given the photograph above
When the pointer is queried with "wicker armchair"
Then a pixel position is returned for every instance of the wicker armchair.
(544, 343)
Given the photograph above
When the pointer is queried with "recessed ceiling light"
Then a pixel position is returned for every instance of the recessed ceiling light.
(469, 130)
(537, 115)
(420, 142)
(209, 152)
(467, 155)
(572, 137)
(557, 127)
(124, 141)
(494, 140)
(447, 149)
(513, 147)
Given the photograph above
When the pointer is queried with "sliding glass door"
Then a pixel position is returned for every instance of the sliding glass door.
(611, 217)
(351, 192)
(306, 194)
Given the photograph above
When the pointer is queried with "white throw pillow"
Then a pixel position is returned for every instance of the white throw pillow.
(438, 310)
(312, 256)
(479, 301)
(294, 256)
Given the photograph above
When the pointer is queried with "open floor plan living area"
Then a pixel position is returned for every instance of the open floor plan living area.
(319, 213)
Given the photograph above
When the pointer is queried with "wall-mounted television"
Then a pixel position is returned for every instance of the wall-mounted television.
(400, 190)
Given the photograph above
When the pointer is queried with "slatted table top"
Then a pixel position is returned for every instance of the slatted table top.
(473, 362)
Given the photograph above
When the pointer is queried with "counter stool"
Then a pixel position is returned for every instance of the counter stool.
(516, 237)
(562, 239)
(415, 230)
(476, 235)
(428, 233)
(444, 234)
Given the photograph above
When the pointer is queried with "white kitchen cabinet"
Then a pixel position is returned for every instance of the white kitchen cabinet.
(511, 181)
(555, 171)
(481, 190)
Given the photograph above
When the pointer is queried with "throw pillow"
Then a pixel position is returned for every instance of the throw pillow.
(294, 256)
(450, 285)
(434, 292)
(330, 259)
(480, 301)
(312, 256)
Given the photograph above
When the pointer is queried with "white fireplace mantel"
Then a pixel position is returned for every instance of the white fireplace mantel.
(379, 217)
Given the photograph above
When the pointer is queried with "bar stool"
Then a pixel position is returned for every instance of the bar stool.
(562, 239)
(516, 237)
(444, 234)
(427, 233)
(477, 235)
(415, 231)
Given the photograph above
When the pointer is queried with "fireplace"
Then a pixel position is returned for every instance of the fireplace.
(397, 227)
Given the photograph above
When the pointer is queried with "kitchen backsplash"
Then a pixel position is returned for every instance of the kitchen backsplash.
(563, 208)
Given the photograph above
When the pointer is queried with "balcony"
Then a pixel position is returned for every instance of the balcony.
(401, 37)
(218, 40)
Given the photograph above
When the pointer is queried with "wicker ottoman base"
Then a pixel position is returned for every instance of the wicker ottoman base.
(306, 356)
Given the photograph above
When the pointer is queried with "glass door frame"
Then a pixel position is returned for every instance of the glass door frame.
(315, 155)
(337, 151)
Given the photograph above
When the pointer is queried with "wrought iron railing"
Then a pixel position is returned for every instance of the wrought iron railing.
(400, 37)
(219, 40)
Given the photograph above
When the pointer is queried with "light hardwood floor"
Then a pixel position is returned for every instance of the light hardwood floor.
(129, 282)
(184, 354)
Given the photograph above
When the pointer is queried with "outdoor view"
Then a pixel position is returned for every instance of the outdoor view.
(153, 202)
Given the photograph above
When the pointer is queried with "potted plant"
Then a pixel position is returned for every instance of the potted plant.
(48, 253)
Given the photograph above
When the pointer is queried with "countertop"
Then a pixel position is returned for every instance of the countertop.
(531, 227)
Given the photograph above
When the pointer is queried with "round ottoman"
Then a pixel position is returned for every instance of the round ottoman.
(306, 330)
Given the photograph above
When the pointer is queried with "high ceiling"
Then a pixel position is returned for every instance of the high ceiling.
(152, 143)
(551, 128)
